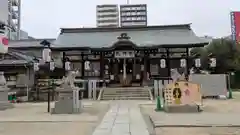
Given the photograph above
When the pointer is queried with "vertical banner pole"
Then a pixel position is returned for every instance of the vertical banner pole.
(89, 89)
(74, 100)
(160, 88)
(155, 88)
(77, 100)
(94, 90)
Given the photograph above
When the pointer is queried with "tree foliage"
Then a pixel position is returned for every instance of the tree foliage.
(225, 52)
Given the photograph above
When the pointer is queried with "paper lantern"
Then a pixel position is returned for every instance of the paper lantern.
(87, 65)
(183, 63)
(198, 62)
(46, 55)
(162, 63)
(36, 66)
(67, 66)
(52, 66)
(213, 62)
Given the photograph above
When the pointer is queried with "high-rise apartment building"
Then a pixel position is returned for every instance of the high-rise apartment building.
(10, 11)
(133, 15)
(107, 16)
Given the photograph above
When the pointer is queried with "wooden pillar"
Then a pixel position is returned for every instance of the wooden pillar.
(134, 67)
(82, 65)
(145, 61)
(63, 63)
(102, 65)
(188, 64)
(168, 63)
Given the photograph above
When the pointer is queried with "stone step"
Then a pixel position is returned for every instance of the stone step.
(126, 98)
(123, 96)
(126, 90)
(126, 94)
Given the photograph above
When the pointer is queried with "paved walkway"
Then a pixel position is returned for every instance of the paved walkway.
(123, 118)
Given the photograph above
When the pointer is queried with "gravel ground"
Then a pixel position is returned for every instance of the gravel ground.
(32, 119)
(197, 131)
(223, 107)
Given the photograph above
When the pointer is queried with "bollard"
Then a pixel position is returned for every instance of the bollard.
(12, 97)
(230, 96)
(159, 105)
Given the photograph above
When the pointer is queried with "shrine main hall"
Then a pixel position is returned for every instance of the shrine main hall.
(126, 56)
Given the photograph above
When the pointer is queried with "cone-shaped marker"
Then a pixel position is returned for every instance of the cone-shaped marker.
(230, 96)
(159, 105)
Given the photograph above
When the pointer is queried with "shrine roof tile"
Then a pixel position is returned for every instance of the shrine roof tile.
(146, 36)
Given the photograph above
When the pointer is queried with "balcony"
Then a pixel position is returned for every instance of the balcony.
(114, 19)
(14, 15)
(15, 2)
(107, 24)
(107, 13)
(107, 9)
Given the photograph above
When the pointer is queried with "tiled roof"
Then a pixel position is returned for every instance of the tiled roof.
(12, 62)
(21, 58)
(27, 43)
(141, 36)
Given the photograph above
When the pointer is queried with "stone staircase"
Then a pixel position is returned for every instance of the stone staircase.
(125, 93)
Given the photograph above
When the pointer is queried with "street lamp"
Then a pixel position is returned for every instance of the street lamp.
(47, 59)
(36, 69)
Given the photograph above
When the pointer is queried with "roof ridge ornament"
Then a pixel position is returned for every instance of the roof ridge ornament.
(124, 36)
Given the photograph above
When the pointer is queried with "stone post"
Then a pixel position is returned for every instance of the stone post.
(4, 103)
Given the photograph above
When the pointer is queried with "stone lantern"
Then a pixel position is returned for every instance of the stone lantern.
(4, 103)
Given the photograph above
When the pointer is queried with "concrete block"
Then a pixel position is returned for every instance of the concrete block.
(182, 109)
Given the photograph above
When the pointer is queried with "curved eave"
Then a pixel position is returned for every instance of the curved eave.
(136, 47)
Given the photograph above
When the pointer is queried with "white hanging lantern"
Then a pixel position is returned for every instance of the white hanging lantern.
(183, 63)
(111, 77)
(67, 66)
(198, 62)
(213, 62)
(46, 55)
(87, 65)
(106, 66)
(36, 66)
(142, 67)
(106, 72)
(137, 76)
(52, 65)
(162, 63)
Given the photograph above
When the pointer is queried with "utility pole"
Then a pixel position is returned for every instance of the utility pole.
(128, 1)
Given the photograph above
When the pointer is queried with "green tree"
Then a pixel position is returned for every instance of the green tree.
(228, 58)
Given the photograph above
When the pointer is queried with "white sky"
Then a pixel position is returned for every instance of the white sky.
(44, 18)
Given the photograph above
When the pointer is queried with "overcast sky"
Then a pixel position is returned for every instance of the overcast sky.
(44, 18)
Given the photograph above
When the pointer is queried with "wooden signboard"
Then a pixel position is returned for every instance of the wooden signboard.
(182, 93)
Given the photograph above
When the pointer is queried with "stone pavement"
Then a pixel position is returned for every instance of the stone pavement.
(123, 118)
